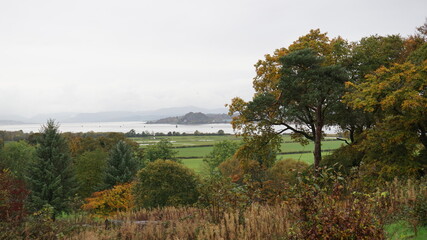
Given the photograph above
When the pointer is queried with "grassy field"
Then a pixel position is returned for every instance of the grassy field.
(194, 163)
(403, 230)
(179, 141)
(192, 149)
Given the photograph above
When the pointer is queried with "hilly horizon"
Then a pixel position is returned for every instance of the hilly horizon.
(109, 116)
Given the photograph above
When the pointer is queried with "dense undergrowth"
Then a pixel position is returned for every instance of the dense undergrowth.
(317, 207)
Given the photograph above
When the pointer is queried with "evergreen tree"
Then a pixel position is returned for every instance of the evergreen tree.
(51, 177)
(121, 165)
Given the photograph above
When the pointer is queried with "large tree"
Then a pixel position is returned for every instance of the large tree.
(51, 178)
(297, 90)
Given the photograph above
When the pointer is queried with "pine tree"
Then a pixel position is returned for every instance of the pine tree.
(51, 177)
(121, 165)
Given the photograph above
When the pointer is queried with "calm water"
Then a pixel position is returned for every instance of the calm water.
(124, 127)
(137, 126)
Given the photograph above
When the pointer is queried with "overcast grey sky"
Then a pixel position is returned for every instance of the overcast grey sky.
(92, 56)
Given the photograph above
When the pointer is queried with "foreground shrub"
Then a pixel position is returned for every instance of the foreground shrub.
(327, 211)
(13, 194)
(220, 195)
(165, 183)
(111, 201)
(42, 225)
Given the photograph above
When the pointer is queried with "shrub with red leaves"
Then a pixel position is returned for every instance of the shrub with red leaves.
(13, 194)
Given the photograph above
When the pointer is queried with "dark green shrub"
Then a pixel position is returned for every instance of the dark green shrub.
(165, 183)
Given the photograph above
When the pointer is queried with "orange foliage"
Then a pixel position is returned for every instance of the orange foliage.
(111, 201)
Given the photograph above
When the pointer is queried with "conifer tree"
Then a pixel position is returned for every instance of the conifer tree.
(51, 177)
(121, 165)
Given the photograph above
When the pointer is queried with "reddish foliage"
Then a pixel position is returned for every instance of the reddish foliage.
(13, 193)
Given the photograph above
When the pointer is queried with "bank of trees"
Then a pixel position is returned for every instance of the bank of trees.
(373, 89)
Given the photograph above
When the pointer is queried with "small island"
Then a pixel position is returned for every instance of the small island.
(194, 118)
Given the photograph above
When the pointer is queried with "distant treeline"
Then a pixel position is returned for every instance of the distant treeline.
(133, 133)
(13, 135)
(7, 136)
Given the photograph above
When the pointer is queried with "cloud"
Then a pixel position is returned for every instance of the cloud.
(89, 56)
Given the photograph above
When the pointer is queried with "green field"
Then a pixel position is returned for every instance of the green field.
(192, 149)
(191, 140)
(403, 230)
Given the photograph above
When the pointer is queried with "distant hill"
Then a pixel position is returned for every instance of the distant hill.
(194, 118)
(112, 116)
(10, 122)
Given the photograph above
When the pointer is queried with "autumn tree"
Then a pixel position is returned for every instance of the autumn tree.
(51, 178)
(111, 201)
(296, 89)
(121, 165)
(396, 96)
(364, 57)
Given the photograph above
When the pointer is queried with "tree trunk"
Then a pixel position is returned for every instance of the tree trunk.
(352, 129)
(318, 137)
(317, 147)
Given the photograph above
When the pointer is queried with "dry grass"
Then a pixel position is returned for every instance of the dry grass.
(256, 222)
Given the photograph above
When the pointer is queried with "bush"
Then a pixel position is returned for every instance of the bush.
(327, 211)
(109, 202)
(286, 171)
(13, 194)
(165, 183)
(219, 194)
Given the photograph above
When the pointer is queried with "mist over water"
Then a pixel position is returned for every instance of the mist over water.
(124, 127)
(139, 127)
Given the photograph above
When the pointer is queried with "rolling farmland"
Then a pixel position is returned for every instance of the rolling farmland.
(192, 149)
